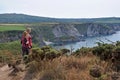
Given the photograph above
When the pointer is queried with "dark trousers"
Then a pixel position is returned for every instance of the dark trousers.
(25, 51)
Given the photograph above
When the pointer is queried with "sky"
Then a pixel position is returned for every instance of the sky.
(63, 8)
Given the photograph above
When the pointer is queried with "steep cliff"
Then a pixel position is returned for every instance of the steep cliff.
(97, 29)
(8, 36)
(72, 32)
(62, 32)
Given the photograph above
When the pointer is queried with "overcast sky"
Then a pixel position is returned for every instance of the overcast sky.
(63, 8)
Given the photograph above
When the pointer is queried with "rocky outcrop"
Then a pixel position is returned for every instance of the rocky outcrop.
(61, 30)
(65, 33)
(8, 36)
(92, 30)
(85, 29)
(98, 29)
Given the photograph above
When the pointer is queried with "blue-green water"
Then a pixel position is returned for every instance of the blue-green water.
(91, 42)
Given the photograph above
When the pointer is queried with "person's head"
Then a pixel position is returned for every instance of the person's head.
(28, 30)
(25, 33)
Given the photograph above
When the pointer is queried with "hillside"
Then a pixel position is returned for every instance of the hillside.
(98, 63)
(57, 33)
(55, 30)
(23, 18)
(65, 33)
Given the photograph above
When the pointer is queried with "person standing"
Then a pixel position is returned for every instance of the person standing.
(29, 38)
(26, 42)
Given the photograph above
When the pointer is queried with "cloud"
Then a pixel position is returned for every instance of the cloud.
(62, 8)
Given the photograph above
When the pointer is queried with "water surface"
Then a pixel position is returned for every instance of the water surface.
(91, 42)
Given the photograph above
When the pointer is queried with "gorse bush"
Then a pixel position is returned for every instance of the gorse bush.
(64, 51)
(104, 51)
(82, 51)
(110, 53)
(107, 51)
(45, 52)
(116, 53)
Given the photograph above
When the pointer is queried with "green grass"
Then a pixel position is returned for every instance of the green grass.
(10, 27)
(11, 51)
(112, 21)
(13, 47)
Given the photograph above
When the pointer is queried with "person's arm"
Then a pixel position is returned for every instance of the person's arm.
(30, 41)
(27, 39)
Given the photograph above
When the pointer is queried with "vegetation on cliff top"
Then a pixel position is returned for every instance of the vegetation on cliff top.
(100, 63)
(11, 27)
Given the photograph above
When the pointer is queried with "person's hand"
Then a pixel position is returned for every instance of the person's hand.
(27, 42)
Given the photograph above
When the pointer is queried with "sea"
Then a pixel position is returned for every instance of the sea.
(91, 41)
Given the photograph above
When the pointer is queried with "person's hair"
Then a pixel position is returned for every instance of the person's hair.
(25, 33)
(28, 29)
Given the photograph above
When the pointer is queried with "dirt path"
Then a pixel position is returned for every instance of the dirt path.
(4, 73)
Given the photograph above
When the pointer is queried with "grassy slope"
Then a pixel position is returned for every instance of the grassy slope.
(12, 46)
(9, 27)
(72, 67)
(10, 51)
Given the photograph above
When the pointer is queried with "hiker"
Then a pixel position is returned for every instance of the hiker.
(26, 42)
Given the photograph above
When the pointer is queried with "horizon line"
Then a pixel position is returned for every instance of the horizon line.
(63, 17)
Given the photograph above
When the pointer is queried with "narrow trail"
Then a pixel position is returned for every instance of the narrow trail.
(4, 73)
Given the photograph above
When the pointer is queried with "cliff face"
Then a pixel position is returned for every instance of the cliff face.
(86, 30)
(9, 36)
(62, 32)
(97, 30)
